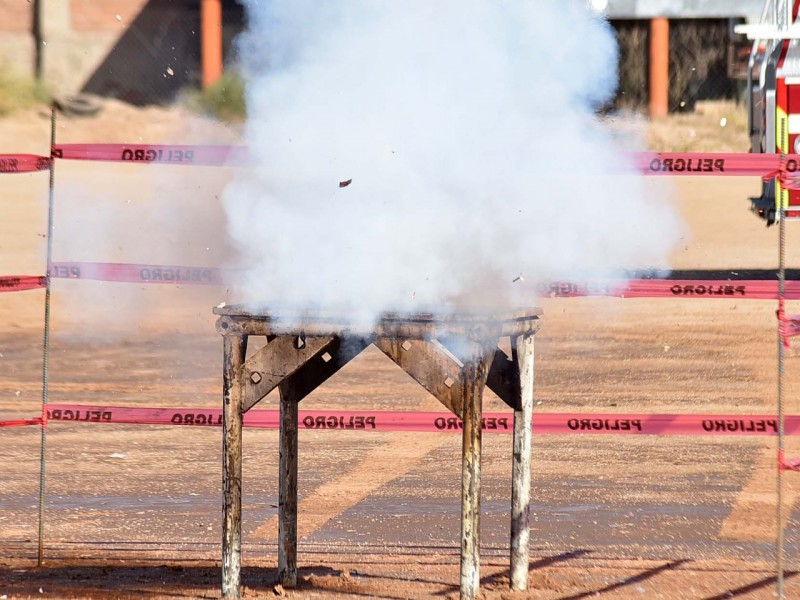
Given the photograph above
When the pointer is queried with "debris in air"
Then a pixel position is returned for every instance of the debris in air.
(517, 278)
(345, 183)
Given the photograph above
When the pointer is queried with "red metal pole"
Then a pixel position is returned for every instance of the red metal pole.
(659, 67)
(211, 41)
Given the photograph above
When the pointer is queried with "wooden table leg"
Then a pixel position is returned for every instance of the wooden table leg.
(521, 465)
(235, 347)
(287, 493)
(475, 372)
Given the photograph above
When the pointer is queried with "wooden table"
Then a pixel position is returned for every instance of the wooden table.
(454, 357)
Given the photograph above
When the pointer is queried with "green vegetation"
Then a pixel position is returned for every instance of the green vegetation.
(223, 100)
(18, 92)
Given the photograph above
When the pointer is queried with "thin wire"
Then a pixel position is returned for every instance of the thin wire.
(46, 342)
(781, 358)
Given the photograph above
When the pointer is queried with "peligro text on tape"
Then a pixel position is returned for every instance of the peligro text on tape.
(18, 283)
(713, 163)
(669, 288)
(176, 154)
(630, 288)
(543, 423)
(23, 163)
(649, 163)
(766, 166)
(686, 165)
(137, 273)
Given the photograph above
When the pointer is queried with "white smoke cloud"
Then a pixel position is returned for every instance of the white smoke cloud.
(468, 129)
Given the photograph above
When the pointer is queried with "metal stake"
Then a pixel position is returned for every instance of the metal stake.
(781, 363)
(46, 342)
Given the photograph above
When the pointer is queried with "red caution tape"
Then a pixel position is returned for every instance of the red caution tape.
(786, 167)
(23, 163)
(782, 323)
(789, 326)
(792, 464)
(789, 465)
(670, 288)
(552, 423)
(149, 153)
(20, 423)
(631, 288)
(713, 163)
(18, 283)
(134, 273)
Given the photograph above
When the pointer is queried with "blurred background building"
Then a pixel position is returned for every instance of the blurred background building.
(147, 51)
(139, 51)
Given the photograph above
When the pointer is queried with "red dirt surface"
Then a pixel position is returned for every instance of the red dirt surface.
(135, 511)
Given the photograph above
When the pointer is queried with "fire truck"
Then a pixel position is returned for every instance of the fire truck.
(773, 93)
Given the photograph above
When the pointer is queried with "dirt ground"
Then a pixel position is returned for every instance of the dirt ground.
(135, 511)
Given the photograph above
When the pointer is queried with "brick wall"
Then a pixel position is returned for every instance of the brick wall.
(16, 16)
(85, 15)
(140, 51)
(103, 15)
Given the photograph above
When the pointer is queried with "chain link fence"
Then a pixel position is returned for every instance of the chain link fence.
(707, 61)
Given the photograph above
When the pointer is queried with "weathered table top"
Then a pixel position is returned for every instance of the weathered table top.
(241, 320)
